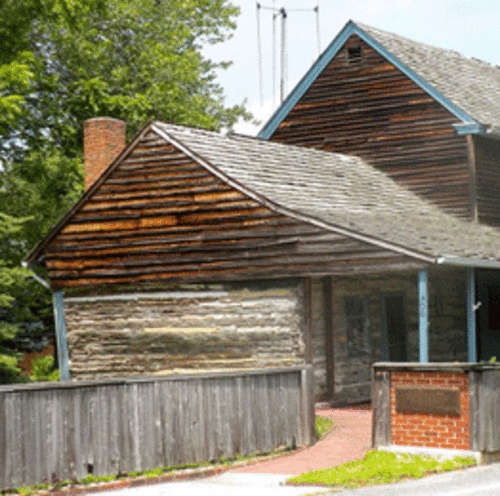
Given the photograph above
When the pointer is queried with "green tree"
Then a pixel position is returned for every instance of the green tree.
(64, 61)
(138, 60)
(23, 315)
(17, 21)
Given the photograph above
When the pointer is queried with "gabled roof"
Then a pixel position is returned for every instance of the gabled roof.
(339, 193)
(468, 88)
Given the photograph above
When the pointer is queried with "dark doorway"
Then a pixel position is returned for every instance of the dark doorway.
(488, 314)
(393, 327)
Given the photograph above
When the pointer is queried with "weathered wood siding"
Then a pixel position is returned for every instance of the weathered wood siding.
(352, 375)
(159, 216)
(487, 156)
(370, 109)
(487, 413)
(381, 408)
(63, 431)
(223, 327)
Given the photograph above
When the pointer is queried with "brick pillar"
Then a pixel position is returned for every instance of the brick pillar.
(103, 140)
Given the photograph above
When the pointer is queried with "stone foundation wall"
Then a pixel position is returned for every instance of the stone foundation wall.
(224, 327)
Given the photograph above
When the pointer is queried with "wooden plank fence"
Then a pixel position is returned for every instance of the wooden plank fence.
(67, 430)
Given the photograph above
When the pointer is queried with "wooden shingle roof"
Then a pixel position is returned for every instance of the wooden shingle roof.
(339, 191)
(471, 84)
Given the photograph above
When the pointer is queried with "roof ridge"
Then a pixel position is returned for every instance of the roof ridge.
(267, 143)
(367, 27)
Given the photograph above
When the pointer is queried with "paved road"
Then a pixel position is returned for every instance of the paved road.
(476, 481)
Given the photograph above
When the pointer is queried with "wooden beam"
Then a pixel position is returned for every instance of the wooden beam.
(471, 315)
(471, 155)
(329, 344)
(423, 316)
(61, 338)
(308, 352)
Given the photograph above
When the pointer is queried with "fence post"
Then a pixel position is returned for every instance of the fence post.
(381, 404)
(475, 379)
(307, 403)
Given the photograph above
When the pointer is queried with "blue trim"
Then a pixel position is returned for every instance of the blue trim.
(470, 128)
(62, 342)
(471, 315)
(423, 316)
(325, 58)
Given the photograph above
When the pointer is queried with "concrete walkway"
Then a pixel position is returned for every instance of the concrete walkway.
(349, 440)
(227, 484)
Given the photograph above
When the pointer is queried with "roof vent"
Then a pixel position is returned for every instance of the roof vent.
(103, 139)
(354, 55)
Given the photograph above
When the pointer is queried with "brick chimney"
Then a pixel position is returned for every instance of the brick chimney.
(103, 139)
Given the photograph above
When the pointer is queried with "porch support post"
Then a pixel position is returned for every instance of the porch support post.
(471, 315)
(423, 316)
(62, 342)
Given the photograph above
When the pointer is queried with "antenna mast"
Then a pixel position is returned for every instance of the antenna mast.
(283, 13)
(259, 50)
(283, 54)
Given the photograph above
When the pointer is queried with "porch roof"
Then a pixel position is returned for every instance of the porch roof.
(341, 192)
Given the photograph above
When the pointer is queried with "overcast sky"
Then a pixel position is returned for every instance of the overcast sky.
(470, 27)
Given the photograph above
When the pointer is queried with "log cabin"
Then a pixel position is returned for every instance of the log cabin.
(193, 250)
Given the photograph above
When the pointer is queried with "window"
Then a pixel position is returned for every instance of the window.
(357, 314)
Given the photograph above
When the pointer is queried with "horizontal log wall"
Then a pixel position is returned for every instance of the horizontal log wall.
(160, 216)
(370, 109)
(223, 327)
(487, 155)
(66, 431)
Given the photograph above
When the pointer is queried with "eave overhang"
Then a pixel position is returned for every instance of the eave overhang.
(466, 262)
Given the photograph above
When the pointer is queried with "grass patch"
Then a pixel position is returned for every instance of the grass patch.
(380, 467)
(321, 426)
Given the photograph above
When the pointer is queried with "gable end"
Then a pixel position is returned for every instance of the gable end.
(325, 58)
(160, 216)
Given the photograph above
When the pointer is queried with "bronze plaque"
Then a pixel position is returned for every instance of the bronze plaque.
(433, 401)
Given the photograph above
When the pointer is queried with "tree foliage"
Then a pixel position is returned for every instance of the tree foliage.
(65, 61)
(137, 60)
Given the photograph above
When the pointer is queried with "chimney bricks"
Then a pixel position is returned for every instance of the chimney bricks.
(103, 139)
